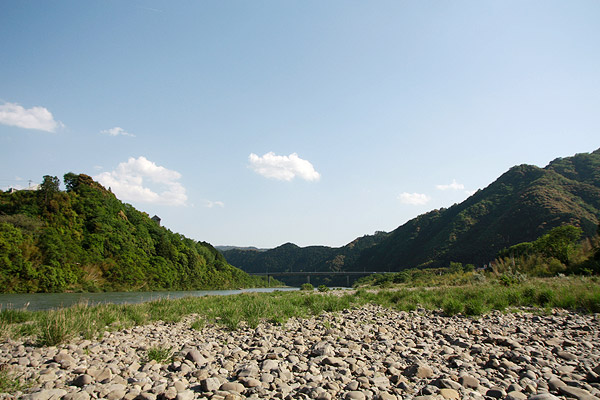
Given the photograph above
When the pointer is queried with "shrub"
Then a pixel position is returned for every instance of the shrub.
(307, 287)
(452, 306)
(323, 288)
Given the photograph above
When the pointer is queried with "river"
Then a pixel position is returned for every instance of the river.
(46, 301)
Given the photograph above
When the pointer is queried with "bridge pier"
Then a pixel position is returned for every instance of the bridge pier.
(347, 280)
(307, 278)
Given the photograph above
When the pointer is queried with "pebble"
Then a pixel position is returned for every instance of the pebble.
(365, 353)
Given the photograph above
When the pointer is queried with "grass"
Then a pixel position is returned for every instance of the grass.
(9, 383)
(159, 354)
(248, 310)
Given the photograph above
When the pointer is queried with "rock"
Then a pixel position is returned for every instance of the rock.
(334, 361)
(196, 357)
(51, 394)
(566, 355)
(386, 396)
(210, 384)
(449, 394)
(496, 393)
(82, 380)
(233, 387)
(77, 396)
(323, 349)
(420, 371)
(543, 396)
(514, 395)
(355, 395)
(577, 393)
(185, 395)
(554, 384)
(469, 381)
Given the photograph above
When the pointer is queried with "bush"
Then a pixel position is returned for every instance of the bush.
(452, 306)
(307, 287)
(323, 288)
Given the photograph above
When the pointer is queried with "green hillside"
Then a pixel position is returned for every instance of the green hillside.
(291, 258)
(85, 239)
(523, 204)
(520, 206)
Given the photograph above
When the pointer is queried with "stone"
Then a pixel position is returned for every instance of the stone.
(514, 395)
(449, 394)
(210, 384)
(185, 395)
(469, 381)
(51, 394)
(233, 387)
(83, 395)
(355, 395)
(577, 393)
(420, 371)
(554, 384)
(82, 380)
(543, 396)
(196, 357)
(334, 361)
(496, 393)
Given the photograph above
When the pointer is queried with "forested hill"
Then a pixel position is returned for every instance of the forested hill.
(291, 258)
(523, 204)
(84, 238)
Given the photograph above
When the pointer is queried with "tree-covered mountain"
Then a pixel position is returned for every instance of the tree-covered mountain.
(291, 258)
(84, 238)
(521, 205)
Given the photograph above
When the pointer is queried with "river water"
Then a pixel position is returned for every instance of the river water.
(46, 301)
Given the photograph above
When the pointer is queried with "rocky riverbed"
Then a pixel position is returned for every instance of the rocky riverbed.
(364, 353)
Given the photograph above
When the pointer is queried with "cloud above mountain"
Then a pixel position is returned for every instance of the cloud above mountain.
(139, 179)
(283, 168)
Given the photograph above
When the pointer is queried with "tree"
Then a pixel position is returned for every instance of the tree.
(71, 180)
(560, 243)
(49, 187)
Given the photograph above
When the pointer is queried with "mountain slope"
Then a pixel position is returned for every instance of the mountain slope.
(86, 239)
(291, 258)
(523, 204)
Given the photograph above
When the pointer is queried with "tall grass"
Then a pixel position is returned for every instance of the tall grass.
(248, 310)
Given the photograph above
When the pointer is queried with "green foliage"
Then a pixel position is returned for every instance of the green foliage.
(307, 287)
(85, 239)
(523, 204)
(323, 288)
(160, 354)
(10, 382)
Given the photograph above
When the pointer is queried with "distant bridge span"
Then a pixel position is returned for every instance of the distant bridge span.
(308, 274)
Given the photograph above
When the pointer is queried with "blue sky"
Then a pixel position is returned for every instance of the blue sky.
(312, 122)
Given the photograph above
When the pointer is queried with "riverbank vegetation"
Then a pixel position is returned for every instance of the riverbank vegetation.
(53, 327)
(85, 239)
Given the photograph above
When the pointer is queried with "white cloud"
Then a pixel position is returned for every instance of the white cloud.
(130, 181)
(452, 186)
(283, 168)
(211, 204)
(38, 118)
(116, 131)
(413, 198)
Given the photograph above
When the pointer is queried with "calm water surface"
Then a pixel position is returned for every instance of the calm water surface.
(45, 301)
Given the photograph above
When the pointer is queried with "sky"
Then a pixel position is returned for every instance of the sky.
(256, 123)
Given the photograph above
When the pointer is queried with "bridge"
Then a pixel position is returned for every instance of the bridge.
(347, 274)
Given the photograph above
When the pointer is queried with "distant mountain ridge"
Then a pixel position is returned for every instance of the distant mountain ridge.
(521, 205)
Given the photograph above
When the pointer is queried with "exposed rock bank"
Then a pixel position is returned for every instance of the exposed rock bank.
(365, 353)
